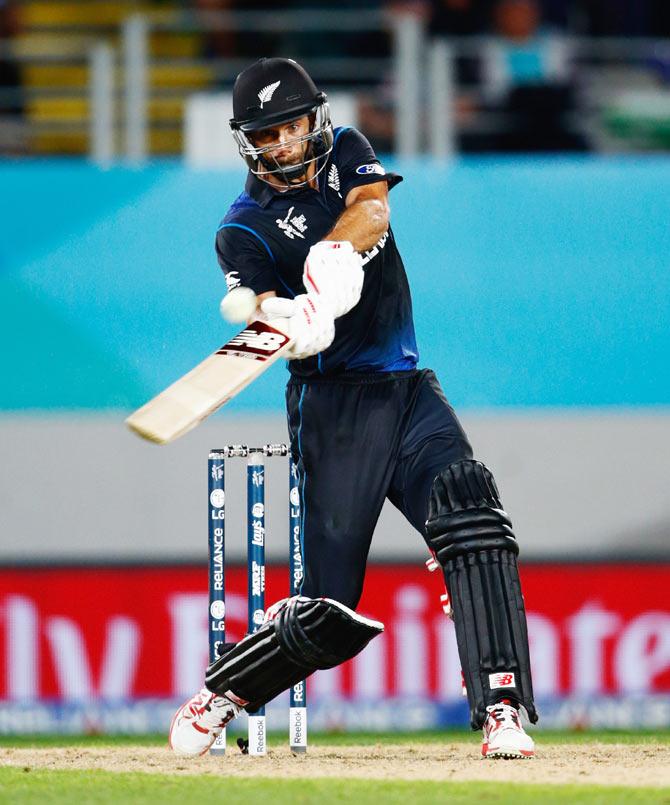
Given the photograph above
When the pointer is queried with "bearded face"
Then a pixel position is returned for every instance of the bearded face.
(286, 149)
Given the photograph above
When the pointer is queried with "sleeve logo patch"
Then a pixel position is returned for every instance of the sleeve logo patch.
(503, 680)
(233, 280)
(373, 167)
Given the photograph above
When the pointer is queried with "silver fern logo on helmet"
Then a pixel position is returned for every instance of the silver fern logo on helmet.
(265, 95)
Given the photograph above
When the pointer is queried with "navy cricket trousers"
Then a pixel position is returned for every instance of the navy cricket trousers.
(357, 440)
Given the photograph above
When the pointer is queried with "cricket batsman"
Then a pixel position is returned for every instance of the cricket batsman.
(310, 235)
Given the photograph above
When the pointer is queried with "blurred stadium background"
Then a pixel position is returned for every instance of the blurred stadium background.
(533, 220)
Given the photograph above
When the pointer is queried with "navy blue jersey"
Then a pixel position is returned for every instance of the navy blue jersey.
(264, 239)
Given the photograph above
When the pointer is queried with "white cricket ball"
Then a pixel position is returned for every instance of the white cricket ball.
(238, 305)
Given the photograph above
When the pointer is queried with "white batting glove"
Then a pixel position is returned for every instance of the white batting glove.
(309, 319)
(334, 271)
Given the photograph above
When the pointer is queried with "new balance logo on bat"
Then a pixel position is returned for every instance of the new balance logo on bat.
(265, 341)
(250, 338)
(258, 342)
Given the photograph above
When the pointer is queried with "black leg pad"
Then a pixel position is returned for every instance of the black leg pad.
(473, 540)
(308, 634)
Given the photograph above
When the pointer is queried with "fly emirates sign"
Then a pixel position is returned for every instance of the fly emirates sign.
(125, 634)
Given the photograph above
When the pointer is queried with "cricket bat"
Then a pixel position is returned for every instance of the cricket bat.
(208, 386)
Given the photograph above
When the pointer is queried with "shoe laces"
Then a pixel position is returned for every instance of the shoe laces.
(504, 714)
(213, 711)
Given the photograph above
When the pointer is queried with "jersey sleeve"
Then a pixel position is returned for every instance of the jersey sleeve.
(245, 259)
(358, 164)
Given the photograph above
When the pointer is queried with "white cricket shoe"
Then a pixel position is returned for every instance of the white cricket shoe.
(198, 722)
(504, 737)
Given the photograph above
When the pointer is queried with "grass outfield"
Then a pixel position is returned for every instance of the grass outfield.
(32, 783)
(19, 786)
